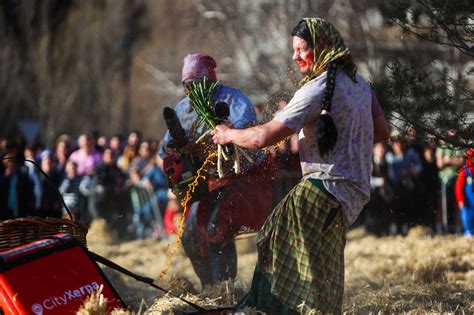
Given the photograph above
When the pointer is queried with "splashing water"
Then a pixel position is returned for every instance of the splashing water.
(184, 203)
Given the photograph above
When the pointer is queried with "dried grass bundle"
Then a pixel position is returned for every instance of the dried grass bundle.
(180, 285)
(222, 295)
(97, 304)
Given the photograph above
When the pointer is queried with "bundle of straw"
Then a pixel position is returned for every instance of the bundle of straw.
(200, 95)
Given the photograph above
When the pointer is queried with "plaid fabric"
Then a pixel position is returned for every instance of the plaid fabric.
(302, 262)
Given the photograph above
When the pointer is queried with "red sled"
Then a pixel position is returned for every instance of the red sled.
(50, 276)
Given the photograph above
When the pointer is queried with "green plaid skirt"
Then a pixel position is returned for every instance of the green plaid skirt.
(301, 261)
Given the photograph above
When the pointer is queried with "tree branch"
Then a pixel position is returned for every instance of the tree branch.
(454, 37)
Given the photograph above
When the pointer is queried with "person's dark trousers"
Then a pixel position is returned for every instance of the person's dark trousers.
(191, 240)
(223, 261)
(212, 263)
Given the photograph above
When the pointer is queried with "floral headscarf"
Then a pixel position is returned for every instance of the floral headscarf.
(328, 46)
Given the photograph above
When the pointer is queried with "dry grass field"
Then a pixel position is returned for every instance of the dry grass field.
(415, 274)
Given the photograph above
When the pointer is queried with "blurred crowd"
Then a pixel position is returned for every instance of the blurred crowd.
(120, 179)
(117, 179)
(416, 182)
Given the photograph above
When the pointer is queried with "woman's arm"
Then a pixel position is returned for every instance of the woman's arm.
(254, 137)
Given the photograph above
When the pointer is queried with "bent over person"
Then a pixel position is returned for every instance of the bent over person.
(301, 245)
(232, 204)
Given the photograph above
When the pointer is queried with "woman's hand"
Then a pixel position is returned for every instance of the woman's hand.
(220, 135)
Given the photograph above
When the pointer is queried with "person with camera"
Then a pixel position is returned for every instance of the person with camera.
(225, 206)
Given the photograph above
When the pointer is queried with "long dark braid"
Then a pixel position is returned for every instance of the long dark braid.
(326, 129)
(326, 133)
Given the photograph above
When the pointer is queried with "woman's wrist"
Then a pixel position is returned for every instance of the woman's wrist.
(228, 135)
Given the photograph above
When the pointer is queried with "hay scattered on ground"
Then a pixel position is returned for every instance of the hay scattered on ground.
(222, 295)
(413, 274)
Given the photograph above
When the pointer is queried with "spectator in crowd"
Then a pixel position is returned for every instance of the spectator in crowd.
(34, 174)
(155, 180)
(72, 188)
(148, 192)
(16, 189)
(130, 152)
(107, 183)
(154, 146)
(94, 139)
(464, 190)
(144, 205)
(448, 160)
(102, 143)
(413, 141)
(50, 204)
(403, 165)
(115, 144)
(376, 215)
(428, 187)
(62, 151)
(144, 161)
(86, 157)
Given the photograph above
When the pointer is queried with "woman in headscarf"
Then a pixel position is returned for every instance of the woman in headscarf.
(301, 245)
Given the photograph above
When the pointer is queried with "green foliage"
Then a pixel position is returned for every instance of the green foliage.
(200, 95)
(431, 100)
(448, 23)
(413, 96)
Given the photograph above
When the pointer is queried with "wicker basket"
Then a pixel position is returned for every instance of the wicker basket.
(21, 231)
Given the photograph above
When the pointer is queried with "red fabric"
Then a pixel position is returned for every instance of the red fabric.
(57, 283)
(197, 66)
(245, 206)
(459, 187)
(168, 221)
(460, 183)
(470, 158)
(461, 180)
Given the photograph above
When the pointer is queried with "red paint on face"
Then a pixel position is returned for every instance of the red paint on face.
(302, 55)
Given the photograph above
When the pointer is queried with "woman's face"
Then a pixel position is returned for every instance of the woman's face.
(379, 150)
(302, 55)
(71, 169)
(47, 164)
(144, 150)
(108, 157)
(114, 143)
